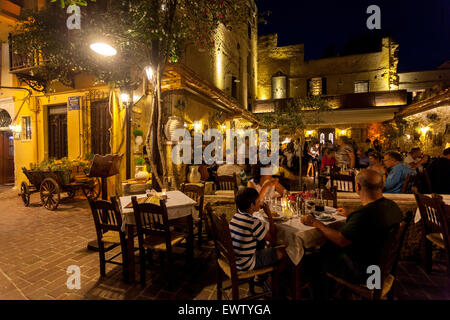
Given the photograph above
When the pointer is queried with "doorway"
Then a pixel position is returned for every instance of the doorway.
(6, 157)
(57, 132)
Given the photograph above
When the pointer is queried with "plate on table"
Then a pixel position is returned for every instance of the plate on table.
(275, 215)
(322, 216)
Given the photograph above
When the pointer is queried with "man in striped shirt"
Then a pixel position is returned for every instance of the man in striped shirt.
(249, 234)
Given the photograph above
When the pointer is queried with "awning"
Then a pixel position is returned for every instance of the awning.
(349, 116)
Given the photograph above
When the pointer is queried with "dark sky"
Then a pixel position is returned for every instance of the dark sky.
(422, 28)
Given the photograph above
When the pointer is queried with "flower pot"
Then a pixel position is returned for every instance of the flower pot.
(194, 176)
(141, 173)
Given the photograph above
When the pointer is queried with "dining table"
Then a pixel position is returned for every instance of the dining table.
(299, 238)
(180, 210)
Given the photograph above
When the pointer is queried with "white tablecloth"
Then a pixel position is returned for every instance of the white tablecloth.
(178, 205)
(299, 237)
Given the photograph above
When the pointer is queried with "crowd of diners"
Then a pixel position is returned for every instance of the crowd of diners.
(358, 244)
(392, 165)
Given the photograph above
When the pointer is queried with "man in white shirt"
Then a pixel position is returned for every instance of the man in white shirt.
(415, 159)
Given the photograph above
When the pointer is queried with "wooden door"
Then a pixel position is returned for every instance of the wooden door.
(6, 157)
(57, 132)
(100, 128)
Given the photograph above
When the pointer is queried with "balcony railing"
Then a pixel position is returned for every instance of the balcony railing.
(23, 63)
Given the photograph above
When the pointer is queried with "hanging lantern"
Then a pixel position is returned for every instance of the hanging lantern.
(173, 124)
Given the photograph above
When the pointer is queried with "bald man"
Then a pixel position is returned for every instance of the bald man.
(359, 243)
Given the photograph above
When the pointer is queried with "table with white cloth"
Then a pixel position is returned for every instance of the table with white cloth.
(179, 207)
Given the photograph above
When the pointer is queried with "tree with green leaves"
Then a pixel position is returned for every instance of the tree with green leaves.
(144, 32)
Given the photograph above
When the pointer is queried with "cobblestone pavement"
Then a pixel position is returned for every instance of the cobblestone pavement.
(38, 245)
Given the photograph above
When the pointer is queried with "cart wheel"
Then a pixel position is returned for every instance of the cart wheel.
(25, 193)
(94, 189)
(50, 193)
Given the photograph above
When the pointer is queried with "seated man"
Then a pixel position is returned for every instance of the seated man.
(415, 159)
(359, 243)
(397, 173)
(439, 172)
(229, 169)
(249, 234)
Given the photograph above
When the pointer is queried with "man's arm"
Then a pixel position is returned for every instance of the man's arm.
(331, 234)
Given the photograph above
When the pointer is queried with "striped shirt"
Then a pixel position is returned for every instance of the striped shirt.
(245, 232)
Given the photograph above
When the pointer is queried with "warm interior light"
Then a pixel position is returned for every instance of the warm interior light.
(408, 136)
(197, 126)
(125, 97)
(424, 130)
(104, 49)
(149, 73)
(309, 132)
(287, 140)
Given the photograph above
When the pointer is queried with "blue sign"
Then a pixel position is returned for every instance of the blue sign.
(74, 103)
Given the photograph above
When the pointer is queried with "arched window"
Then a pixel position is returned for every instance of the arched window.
(322, 138)
(331, 137)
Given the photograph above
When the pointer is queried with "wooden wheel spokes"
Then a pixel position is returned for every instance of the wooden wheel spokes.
(93, 191)
(25, 193)
(50, 193)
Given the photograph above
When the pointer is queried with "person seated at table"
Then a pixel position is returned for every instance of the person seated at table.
(375, 160)
(415, 159)
(328, 159)
(395, 179)
(439, 172)
(249, 234)
(228, 169)
(358, 244)
(262, 175)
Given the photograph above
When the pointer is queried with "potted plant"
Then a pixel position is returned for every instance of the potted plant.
(138, 138)
(141, 173)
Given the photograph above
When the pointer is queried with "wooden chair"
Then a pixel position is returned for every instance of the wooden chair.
(435, 218)
(388, 266)
(108, 224)
(197, 193)
(227, 183)
(343, 182)
(330, 195)
(226, 260)
(154, 234)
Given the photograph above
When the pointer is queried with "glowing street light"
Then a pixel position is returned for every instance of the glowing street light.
(125, 97)
(103, 48)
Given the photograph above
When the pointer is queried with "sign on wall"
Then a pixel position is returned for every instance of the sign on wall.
(74, 103)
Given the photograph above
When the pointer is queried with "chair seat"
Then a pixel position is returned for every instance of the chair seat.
(242, 274)
(437, 239)
(362, 289)
(111, 236)
(158, 242)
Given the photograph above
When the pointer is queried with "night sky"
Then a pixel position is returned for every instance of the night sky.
(422, 28)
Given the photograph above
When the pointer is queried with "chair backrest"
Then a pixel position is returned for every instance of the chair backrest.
(107, 216)
(222, 239)
(330, 195)
(343, 182)
(444, 219)
(393, 246)
(227, 183)
(195, 192)
(430, 213)
(151, 219)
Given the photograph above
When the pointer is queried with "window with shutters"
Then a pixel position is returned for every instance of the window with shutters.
(100, 125)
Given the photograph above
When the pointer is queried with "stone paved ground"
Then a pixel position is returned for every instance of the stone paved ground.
(37, 246)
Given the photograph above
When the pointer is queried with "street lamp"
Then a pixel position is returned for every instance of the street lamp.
(103, 48)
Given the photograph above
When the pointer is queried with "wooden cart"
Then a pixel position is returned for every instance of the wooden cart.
(50, 185)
